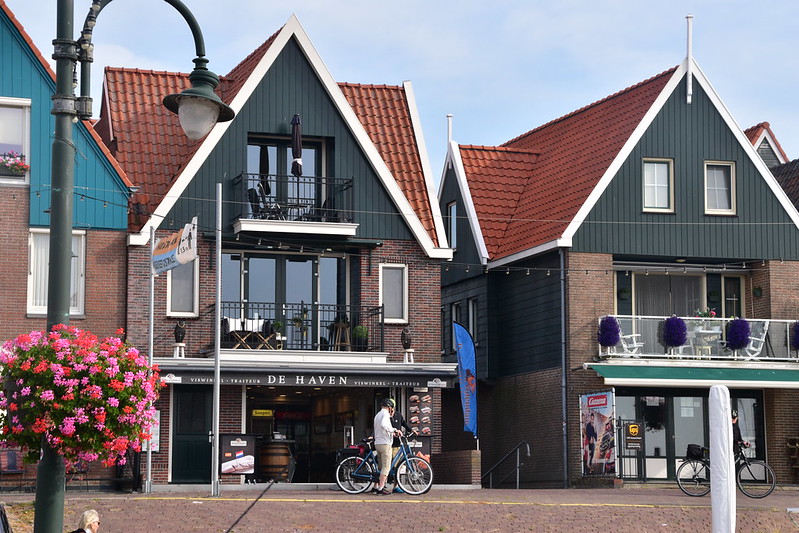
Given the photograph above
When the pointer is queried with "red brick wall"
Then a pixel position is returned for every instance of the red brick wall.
(461, 467)
(106, 263)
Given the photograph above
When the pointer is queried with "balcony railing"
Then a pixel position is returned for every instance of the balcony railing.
(769, 340)
(302, 326)
(293, 198)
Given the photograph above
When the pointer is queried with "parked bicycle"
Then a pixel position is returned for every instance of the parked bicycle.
(357, 474)
(755, 478)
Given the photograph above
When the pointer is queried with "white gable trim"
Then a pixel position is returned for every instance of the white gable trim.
(530, 252)
(454, 157)
(649, 117)
(293, 28)
(774, 147)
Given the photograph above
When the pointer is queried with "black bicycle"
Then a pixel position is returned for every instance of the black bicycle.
(755, 478)
(357, 474)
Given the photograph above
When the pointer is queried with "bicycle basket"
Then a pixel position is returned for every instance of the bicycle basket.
(694, 451)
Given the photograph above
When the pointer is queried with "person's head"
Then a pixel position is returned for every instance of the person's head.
(387, 403)
(90, 521)
(734, 414)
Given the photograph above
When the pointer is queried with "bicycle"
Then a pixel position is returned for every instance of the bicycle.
(755, 478)
(357, 474)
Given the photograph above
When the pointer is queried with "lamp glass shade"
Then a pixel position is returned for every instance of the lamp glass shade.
(197, 116)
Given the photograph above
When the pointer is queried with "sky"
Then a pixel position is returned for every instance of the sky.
(501, 68)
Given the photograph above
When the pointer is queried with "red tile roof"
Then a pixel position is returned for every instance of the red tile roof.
(534, 201)
(88, 123)
(755, 132)
(383, 111)
(151, 146)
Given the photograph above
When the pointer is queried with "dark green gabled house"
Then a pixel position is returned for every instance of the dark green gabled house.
(322, 267)
(646, 204)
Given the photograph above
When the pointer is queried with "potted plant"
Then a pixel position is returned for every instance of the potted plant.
(360, 338)
(757, 292)
(795, 336)
(13, 164)
(674, 333)
(738, 332)
(608, 333)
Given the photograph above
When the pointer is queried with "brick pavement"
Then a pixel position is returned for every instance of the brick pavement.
(441, 510)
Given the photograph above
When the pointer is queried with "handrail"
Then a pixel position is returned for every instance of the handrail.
(519, 464)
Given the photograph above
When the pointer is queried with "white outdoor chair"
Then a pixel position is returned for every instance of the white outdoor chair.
(630, 344)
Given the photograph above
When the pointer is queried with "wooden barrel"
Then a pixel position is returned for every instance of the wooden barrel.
(273, 461)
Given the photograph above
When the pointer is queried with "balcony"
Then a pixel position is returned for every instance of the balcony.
(291, 204)
(769, 341)
(301, 327)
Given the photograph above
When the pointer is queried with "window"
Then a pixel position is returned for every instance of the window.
(14, 127)
(659, 185)
(471, 319)
(394, 292)
(719, 188)
(38, 272)
(455, 316)
(452, 224)
(182, 290)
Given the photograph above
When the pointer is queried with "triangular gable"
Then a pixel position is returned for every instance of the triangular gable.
(713, 96)
(293, 29)
(759, 133)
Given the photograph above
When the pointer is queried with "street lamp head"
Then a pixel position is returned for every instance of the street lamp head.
(199, 107)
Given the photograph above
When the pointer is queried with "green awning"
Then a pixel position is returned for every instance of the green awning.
(685, 376)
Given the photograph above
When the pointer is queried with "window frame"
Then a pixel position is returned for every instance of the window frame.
(732, 195)
(25, 105)
(80, 289)
(195, 312)
(404, 268)
(452, 224)
(472, 313)
(670, 167)
(455, 309)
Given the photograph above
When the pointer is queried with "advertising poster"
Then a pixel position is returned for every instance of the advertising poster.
(237, 454)
(598, 434)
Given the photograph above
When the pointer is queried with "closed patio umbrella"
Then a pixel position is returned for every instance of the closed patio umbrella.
(296, 146)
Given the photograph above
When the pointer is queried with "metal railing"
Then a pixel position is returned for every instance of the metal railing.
(641, 336)
(294, 198)
(302, 326)
(515, 451)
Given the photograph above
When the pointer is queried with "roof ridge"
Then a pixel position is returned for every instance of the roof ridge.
(371, 85)
(146, 71)
(592, 105)
(504, 149)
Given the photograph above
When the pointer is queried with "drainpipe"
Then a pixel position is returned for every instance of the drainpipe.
(563, 409)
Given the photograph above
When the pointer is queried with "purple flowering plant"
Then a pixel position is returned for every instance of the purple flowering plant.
(675, 332)
(90, 399)
(738, 332)
(608, 333)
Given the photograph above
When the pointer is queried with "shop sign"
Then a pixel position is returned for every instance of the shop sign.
(633, 436)
(307, 380)
(237, 454)
(267, 413)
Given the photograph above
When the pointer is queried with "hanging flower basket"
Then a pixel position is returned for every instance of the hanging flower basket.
(675, 332)
(608, 333)
(90, 399)
(795, 336)
(738, 332)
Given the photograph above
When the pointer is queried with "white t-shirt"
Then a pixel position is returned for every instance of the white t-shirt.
(384, 431)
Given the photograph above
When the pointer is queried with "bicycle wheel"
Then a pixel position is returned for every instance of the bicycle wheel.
(693, 477)
(415, 475)
(755, 479)
(354, 475)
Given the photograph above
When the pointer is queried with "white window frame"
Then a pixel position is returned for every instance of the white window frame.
(195, 312)
(670, 168)
(452, 224)
(471, 318)
(25, 105)
(77, 275)
(715, 211)
(404, 268)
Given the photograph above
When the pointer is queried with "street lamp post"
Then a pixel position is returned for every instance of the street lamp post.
(199, 108)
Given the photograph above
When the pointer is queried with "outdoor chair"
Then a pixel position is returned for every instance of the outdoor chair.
(630, 345)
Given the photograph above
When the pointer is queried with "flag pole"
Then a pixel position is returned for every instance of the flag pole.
(148, 484)
(215, 485)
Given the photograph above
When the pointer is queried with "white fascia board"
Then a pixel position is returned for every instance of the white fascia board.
(454, 155)
(531, 252)
(750, 150)
(621, 157)
(427, 172)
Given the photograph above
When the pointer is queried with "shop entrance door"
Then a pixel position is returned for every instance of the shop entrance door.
(191, 451)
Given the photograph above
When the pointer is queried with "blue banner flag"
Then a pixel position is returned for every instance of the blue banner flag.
(467, 376)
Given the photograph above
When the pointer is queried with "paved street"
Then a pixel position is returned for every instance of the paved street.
(604, 510)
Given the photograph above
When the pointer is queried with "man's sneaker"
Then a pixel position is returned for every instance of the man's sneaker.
(399, 490)
(383, 492)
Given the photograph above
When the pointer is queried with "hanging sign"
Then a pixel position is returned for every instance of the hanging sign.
(176, 249)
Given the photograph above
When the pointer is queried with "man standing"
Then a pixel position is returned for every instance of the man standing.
(384, 436)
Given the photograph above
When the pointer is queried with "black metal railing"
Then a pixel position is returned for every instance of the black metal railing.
(514, 452)
(302, 326)
(294, 198)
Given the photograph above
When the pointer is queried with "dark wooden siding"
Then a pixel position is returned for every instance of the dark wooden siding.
(473, 288)
(466, 254)
(690, 135)
(525, 318)
(291, 86)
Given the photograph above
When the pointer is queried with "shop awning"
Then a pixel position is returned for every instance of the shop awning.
(698, 376)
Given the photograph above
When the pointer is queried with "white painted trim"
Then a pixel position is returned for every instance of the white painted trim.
(623, 154)
(405, 294)
(297, 227)
(454, 156)
(772, 142)
(531, 252)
